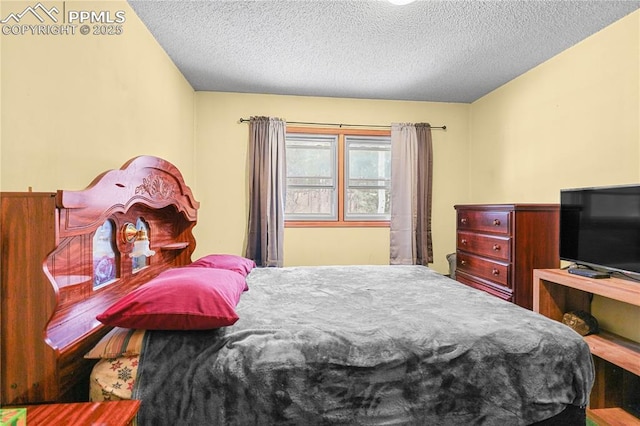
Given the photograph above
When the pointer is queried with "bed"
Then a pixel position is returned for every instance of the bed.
(358, 345)
(323, 345)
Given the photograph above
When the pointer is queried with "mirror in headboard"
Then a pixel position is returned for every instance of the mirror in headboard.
(67, 256)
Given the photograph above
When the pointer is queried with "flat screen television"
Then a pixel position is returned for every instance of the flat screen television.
(600, 228)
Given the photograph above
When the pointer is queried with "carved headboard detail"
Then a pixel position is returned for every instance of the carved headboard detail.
(49, 304)
(151, 181)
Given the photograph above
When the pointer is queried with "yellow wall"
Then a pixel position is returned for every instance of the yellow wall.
(76, 105)
(573, 121)
(221, 158)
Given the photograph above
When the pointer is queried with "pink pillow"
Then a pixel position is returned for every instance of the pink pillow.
(238, 264)
(180, 299)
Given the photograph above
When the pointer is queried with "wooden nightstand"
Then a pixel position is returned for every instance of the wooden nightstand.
(111, 413)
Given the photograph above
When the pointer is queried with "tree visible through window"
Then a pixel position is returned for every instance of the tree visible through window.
(338, 177)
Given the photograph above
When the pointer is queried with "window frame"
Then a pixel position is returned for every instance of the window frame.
(341, 179)
(374, 145)
(332, 141)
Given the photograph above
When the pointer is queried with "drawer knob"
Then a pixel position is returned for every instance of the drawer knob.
(463, 262)
(463, 221)
(463, 242)
(496, 247)
(495, 272)
(496, 222)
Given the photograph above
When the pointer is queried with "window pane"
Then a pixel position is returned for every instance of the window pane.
(309, 202)
(309, 161)
(369, 163)
(368, 204)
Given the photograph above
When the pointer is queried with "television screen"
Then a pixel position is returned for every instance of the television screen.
(600, 227)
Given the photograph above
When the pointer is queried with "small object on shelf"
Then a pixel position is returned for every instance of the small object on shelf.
(589, 273)
(175, 246)
(581, 322)
(13, 417)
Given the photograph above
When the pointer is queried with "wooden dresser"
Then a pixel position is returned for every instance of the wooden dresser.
(499, 245)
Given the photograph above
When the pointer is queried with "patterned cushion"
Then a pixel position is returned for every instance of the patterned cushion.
(113, 379)
(118, 342)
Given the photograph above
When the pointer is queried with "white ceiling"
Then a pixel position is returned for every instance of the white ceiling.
(446, 51)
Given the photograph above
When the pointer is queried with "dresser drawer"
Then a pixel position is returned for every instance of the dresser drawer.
(496, 222)
(485, 286)
(485, 245)
(484, 268)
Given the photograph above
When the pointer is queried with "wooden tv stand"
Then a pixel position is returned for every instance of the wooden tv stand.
(616, 359)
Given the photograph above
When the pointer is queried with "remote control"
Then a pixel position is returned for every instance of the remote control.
(589, 273)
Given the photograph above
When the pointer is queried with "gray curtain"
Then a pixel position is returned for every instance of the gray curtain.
(411, 194)
(266, 190)
(424, 240)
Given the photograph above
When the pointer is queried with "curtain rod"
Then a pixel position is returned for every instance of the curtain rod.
(245, 120)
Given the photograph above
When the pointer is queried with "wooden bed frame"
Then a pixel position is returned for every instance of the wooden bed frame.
(49, 300)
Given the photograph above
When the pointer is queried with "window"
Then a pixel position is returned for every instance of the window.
(368, 178)
(311, 177)
(337, 177)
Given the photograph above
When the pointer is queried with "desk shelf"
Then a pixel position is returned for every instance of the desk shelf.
(616, 359)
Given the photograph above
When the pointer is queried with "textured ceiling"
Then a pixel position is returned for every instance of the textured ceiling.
(446, 51)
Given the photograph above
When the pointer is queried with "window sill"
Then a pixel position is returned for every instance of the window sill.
(336, 224)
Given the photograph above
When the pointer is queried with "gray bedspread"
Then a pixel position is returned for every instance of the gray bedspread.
(364, 345)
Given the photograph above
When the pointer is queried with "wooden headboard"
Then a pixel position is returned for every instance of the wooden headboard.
(51, 290)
